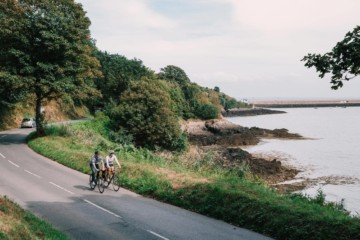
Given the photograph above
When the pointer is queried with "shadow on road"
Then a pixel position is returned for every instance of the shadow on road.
(15, 138)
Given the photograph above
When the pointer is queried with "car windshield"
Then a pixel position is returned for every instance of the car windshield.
(26, 119)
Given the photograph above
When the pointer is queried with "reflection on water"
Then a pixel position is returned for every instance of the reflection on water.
(333, 150)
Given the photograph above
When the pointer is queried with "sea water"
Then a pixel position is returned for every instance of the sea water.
(330, 154)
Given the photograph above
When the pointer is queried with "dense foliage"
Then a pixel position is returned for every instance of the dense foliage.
(118, 71)
(174, 74)
(45, 50)
(130, 101)
(343, 62)
(207, 111)
(145, 113)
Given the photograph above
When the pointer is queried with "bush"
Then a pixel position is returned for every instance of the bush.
(207, 111)
(145, 113)
(180, 144)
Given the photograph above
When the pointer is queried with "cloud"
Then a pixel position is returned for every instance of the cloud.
(233, 44)
(125, 13)
(285, 15)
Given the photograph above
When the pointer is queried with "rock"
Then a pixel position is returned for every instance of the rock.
(238, 112)
(225, 138)
(225, 133)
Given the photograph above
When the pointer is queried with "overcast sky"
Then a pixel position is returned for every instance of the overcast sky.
(249, 48)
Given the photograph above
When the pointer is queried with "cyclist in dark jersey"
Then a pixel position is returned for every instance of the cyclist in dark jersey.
(96, 164)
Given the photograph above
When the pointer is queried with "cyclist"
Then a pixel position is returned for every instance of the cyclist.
(95, 163)
(109, 163)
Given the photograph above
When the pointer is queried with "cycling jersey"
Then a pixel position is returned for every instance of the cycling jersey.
(110, 160)
(95, 160)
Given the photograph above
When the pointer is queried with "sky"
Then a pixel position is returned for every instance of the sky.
(249, 48)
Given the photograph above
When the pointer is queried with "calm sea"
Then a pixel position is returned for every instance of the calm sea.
(331, 157)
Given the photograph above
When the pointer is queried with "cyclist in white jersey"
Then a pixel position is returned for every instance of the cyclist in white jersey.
(109, 162)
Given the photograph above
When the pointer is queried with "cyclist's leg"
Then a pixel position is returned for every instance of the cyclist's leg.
(97, 173)
(92, 172)
(107, 172)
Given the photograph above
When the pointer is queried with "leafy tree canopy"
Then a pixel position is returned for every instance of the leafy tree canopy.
(175, 74)
(145, 112)
(45, 50)
(343, 62)
(118, 71)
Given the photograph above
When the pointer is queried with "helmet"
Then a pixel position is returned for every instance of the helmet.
(111, 151)
(96, 152)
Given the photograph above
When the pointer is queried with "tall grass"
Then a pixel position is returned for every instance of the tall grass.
(202, 186)
(16, 223)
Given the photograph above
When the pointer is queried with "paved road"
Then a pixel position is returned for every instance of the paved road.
(62, 196)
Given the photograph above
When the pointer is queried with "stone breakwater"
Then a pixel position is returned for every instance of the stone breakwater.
(307, 104)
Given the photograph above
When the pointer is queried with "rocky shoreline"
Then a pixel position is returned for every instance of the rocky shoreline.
(226, 140)
(239, 112)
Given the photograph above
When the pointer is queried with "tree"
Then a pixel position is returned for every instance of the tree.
(118, 71)
(179, 104)
(343, 62)
(145, 112)
(174, 74)
(45, 48)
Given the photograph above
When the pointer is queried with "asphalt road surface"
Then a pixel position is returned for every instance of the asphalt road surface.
(62, 196)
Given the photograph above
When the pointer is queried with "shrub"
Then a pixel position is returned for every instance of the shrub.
(145, 113)
(207, 111)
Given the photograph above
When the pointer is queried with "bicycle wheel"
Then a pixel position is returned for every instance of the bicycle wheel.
(116, 182)
(91, 182)
(103, 175)
(106, 182)
(101, 184)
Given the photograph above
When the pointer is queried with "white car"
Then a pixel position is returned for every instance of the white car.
(28, 123)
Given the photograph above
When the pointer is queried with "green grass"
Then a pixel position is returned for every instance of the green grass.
(16, 223)
(202, 186)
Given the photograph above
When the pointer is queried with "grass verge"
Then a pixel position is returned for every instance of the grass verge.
(202, 186)
(16, 223)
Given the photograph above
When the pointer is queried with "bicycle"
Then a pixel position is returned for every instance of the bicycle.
(100, 181)
(115, 180)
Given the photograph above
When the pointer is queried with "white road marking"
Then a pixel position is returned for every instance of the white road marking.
(32, 174)
(2, 156)
(13, 163)
(61, 188)
(158, 235)
(105, 210)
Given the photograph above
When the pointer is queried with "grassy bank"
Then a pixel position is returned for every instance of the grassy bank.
(16, 223)
(202, 186)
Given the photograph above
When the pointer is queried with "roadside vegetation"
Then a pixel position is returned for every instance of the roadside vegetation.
(16, 223)
(200, 185)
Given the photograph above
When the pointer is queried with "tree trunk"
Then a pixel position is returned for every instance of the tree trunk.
(39, 119)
